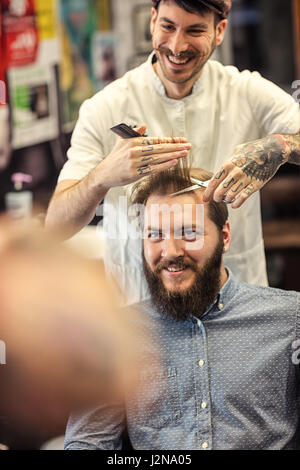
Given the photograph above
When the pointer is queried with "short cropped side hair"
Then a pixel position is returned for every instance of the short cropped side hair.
(173, 180)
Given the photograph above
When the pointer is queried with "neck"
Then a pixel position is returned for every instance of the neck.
(176, 91)
(223, 276)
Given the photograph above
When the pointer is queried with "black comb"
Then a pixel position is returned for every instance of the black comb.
(124, 131)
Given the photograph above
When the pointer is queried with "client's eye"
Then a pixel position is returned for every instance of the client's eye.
(155, 235)
(190, 235)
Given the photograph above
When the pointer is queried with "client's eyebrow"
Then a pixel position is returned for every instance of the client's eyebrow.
(157, 229)
(203, 26)
(193, 227)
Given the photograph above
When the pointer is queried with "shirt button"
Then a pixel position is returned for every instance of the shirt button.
(201, 363)
(204, 445)
(203, 405)
(221, 306)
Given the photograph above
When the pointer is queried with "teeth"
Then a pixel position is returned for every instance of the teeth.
(177, 60)
(175, 270)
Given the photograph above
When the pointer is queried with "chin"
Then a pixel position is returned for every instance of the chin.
(177, 288)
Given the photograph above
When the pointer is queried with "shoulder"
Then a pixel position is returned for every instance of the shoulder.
(273, 296)
(229, 72)
(229, 75)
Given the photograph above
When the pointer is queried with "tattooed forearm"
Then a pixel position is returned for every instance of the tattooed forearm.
(261, 159)
(253, 164)
(293, 143)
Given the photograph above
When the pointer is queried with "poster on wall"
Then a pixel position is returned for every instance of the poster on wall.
(142, 34)
(47, 20)
(30, 32)
(20, 35)
(103, 59)
(132, 27)
(79, 22)
(31, 44)
(33, 99)
(103, 8)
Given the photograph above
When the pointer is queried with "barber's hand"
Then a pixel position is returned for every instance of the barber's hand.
(132, 159)
(251, 167)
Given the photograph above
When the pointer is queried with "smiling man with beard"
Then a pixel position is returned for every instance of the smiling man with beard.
(182, 280)
(180, 304)
(227, 376)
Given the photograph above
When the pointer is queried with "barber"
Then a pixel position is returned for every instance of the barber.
(215, 109)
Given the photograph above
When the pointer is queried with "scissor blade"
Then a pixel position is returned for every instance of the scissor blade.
(187, 190)
(199, 184)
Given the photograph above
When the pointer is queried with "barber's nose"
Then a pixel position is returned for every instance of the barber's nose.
(177, 42)
(172, 248)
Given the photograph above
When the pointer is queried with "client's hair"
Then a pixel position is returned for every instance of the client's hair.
(173, 180)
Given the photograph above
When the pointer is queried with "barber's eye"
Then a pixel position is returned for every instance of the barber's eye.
(196, 31)
(167, 27)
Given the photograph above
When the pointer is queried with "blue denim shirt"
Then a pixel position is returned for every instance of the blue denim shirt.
(228, 381)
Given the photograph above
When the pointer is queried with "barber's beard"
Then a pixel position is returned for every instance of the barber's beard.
(181, 305)
(204, 58)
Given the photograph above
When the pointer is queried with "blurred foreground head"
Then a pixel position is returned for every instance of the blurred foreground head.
(67, 343)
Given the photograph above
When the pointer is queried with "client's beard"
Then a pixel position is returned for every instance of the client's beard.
(181, 305)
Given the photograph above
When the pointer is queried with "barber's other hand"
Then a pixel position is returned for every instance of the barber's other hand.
(132, 159)
(252, 166)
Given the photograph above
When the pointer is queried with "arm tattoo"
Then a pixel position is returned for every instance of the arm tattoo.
(260, 159)
(293, 142)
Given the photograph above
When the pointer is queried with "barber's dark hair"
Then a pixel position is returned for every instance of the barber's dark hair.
(191, 6)
(173, 180)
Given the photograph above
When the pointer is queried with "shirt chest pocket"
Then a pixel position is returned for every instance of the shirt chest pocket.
(156, 402)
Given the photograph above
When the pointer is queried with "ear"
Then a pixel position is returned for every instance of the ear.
(220, 31)
(226, 233)
(154, 15)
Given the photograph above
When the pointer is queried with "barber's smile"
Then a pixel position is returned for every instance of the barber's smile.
(178, 62)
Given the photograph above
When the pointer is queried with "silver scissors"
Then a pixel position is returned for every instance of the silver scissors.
(197, 184)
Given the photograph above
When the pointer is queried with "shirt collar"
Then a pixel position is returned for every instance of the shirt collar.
(225, 295)
(159, 87)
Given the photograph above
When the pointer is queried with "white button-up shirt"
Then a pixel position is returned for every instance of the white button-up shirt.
(226, 108)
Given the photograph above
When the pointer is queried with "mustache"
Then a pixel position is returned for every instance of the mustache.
(182, 55)
(179, 263)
